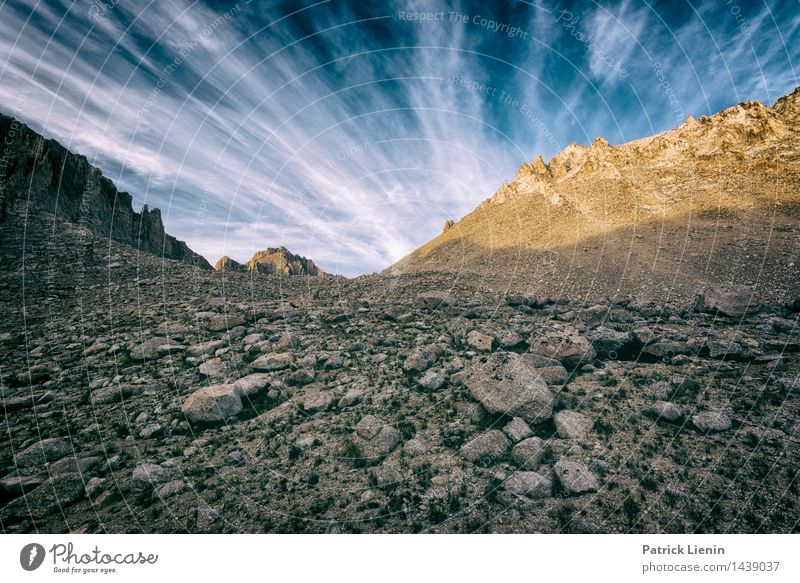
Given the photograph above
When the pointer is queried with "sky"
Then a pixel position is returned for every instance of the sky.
(349, 131)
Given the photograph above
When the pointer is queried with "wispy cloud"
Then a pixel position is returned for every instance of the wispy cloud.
(337, 128)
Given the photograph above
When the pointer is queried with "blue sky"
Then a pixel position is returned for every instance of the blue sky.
(349, 131)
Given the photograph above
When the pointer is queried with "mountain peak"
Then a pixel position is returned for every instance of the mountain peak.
(725, 165)
(272, 260)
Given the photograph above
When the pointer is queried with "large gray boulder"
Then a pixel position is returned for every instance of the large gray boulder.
(508, 383)
(712, 421)
(272, 362)
(528, 453)
(572, 425)
(252, 384)
(155, 348)
(49, 497)
(41, 452)
(565, 345)
(728, 300)
(213, 404)
(375, 438)
(486, 449)
(575, 477)
(529, 485)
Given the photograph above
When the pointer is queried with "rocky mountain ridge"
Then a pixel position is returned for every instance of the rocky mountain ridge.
(654, 213)
(42, 179)
(272, 260)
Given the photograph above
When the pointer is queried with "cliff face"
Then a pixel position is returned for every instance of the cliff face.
(41, 176)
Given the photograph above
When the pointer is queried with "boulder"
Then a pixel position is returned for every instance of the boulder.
(146, 476)
(251, 385)
(528, 453)
(575, 477)
(318, 402)
(565, 345)
(529, 485)
(666, 410)
(155, 348)
(49, 497)
(486, 449)
(376, 438)
(209, 347)
(507, 383)
(421, 358)
(116, 392)
(517, 430)
(550, 369)
(572, 425)
(712, 421)
(213, 404)
(432, 381)
(223, 322)
(726, 300)
(41, 452)
(610, 343)
(480, 341)
(272, 362)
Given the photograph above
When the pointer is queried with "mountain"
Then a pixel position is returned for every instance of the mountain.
(43, 183)
(225, 263)
(714, 200)
(273, 260)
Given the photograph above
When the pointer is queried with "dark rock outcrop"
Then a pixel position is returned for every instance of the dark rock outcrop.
(40, 176)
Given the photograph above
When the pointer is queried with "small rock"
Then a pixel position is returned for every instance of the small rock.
(322, 401)
(517, 429)
(487, 448)
(529, 485)
(572, 425)
(575, 477)
(666, 410)
(432, 381)
(272, 362)
(528, 453)
(146, 476)
(712, 421)
(480, 341)
(169, 489)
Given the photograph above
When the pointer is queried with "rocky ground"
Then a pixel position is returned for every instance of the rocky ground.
(141, 395)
